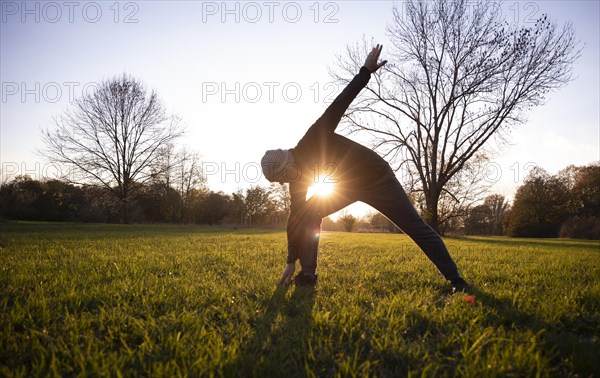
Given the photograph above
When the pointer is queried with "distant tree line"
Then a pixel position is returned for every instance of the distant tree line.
(563, 205)
(566, 204)
(160, 201)
(374, 221)
(156, 202)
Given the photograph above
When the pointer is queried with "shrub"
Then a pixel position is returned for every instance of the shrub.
(581, 228)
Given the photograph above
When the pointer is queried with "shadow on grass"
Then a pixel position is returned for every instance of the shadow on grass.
(279, 344)
(571, 344)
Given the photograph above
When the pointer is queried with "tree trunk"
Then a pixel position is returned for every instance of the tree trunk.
(125, 211)
(430, 215)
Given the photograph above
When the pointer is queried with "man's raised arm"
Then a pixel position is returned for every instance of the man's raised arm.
(333, 114)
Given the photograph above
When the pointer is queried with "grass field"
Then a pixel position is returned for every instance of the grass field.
(166, 301)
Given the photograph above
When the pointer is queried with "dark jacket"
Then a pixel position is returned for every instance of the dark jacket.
(322, 152)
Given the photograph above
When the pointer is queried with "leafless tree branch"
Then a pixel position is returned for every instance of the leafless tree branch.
(458, 76)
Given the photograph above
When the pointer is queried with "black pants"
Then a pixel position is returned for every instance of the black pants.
(388, 197)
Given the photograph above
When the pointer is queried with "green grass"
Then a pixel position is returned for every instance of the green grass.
(166, 301)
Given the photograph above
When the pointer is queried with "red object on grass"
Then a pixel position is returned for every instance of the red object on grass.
(470, 299)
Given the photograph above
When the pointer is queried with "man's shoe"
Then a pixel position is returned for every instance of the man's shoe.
(305, 278)
(460, 286)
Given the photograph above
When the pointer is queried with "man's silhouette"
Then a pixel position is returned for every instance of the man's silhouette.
(359, 174)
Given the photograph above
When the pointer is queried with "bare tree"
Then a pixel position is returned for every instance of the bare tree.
(190, 179)
(111, 137)
(498, 210)
(458, 78)
(181, 170)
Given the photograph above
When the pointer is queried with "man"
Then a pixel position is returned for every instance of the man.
(359, 174)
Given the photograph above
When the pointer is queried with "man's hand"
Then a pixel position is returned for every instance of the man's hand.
(286, 277)
(371, 62)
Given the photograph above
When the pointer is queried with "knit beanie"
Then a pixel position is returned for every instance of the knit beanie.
(275, 162)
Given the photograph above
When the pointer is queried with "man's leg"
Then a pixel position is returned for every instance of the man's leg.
(319, 207)
(389, 198)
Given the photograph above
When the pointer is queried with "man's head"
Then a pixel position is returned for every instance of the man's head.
(275, 163)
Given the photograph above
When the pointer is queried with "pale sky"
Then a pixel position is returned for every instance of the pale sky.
(249, 76)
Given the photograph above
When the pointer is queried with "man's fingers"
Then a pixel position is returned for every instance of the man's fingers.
(287, 280)
(375, 52)
(283, 280)
(372, 59)
(286, 277)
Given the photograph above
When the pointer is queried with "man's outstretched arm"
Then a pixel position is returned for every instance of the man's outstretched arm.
(294, 229)
(333, 114)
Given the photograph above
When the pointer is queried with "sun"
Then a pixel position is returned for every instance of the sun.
(320, 188)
